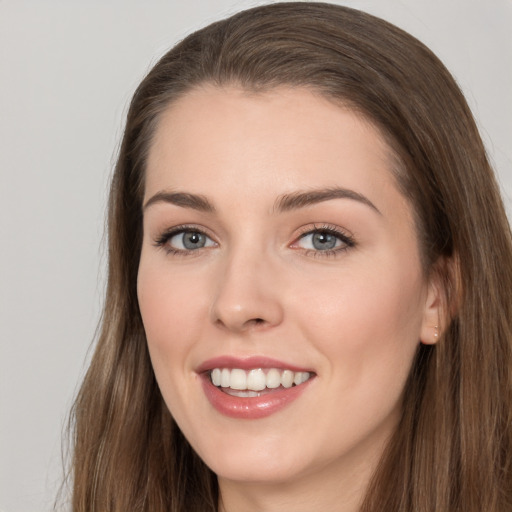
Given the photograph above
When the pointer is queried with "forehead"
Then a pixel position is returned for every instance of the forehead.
(276, 140)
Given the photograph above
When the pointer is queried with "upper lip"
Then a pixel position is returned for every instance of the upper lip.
(248, 363)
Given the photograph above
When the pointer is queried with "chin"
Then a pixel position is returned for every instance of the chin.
(256, 461)
(255, 471)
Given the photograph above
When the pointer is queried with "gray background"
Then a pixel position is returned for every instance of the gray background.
(67, 70)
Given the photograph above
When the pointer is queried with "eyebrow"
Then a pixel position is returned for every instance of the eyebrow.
(300, 199)
(284, 203)
(183, 199)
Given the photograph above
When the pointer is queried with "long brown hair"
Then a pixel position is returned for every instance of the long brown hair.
(452, 450)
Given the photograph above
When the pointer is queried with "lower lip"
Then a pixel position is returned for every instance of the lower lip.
(251, 408)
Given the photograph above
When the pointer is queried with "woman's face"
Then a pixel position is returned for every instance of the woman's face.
(280, 260)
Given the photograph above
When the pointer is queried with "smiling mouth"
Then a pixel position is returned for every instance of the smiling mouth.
(255, 382)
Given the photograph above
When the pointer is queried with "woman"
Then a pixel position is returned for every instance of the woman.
(310, 267)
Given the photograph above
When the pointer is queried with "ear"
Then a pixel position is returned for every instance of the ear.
(442, 300)
(433, 312)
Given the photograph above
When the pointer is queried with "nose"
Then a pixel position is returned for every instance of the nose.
(248, 294)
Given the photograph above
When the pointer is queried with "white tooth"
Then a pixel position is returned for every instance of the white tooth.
(242, 393)
(216, 375)
(297, 378)
(287, 379)
(238, 379)
(273, 378)
(256, 380)
(305, 376)
(225, 378)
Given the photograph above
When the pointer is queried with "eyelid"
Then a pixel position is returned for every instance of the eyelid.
(161, 240)
(340, 233)
(345, 237)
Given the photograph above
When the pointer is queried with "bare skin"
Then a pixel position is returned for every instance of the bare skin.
(242, 263)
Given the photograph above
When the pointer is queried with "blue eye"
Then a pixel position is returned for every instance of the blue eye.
(324, 240)
(189, 241)
(184, 240)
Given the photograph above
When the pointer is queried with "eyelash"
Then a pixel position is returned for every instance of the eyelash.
(347, 240)
(163, 239)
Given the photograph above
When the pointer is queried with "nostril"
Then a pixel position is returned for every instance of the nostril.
(255, 322)
(252, 322)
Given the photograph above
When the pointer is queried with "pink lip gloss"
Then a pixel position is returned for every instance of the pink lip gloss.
(269, 402)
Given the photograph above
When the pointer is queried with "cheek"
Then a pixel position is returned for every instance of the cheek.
(169, 306)
(369, 325)
(171, 313)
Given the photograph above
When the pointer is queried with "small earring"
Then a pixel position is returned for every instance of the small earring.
(436, 332)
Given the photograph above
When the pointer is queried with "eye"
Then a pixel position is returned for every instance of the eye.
(325, 240)
(320, 241)
(189, 241)
(183, 240)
